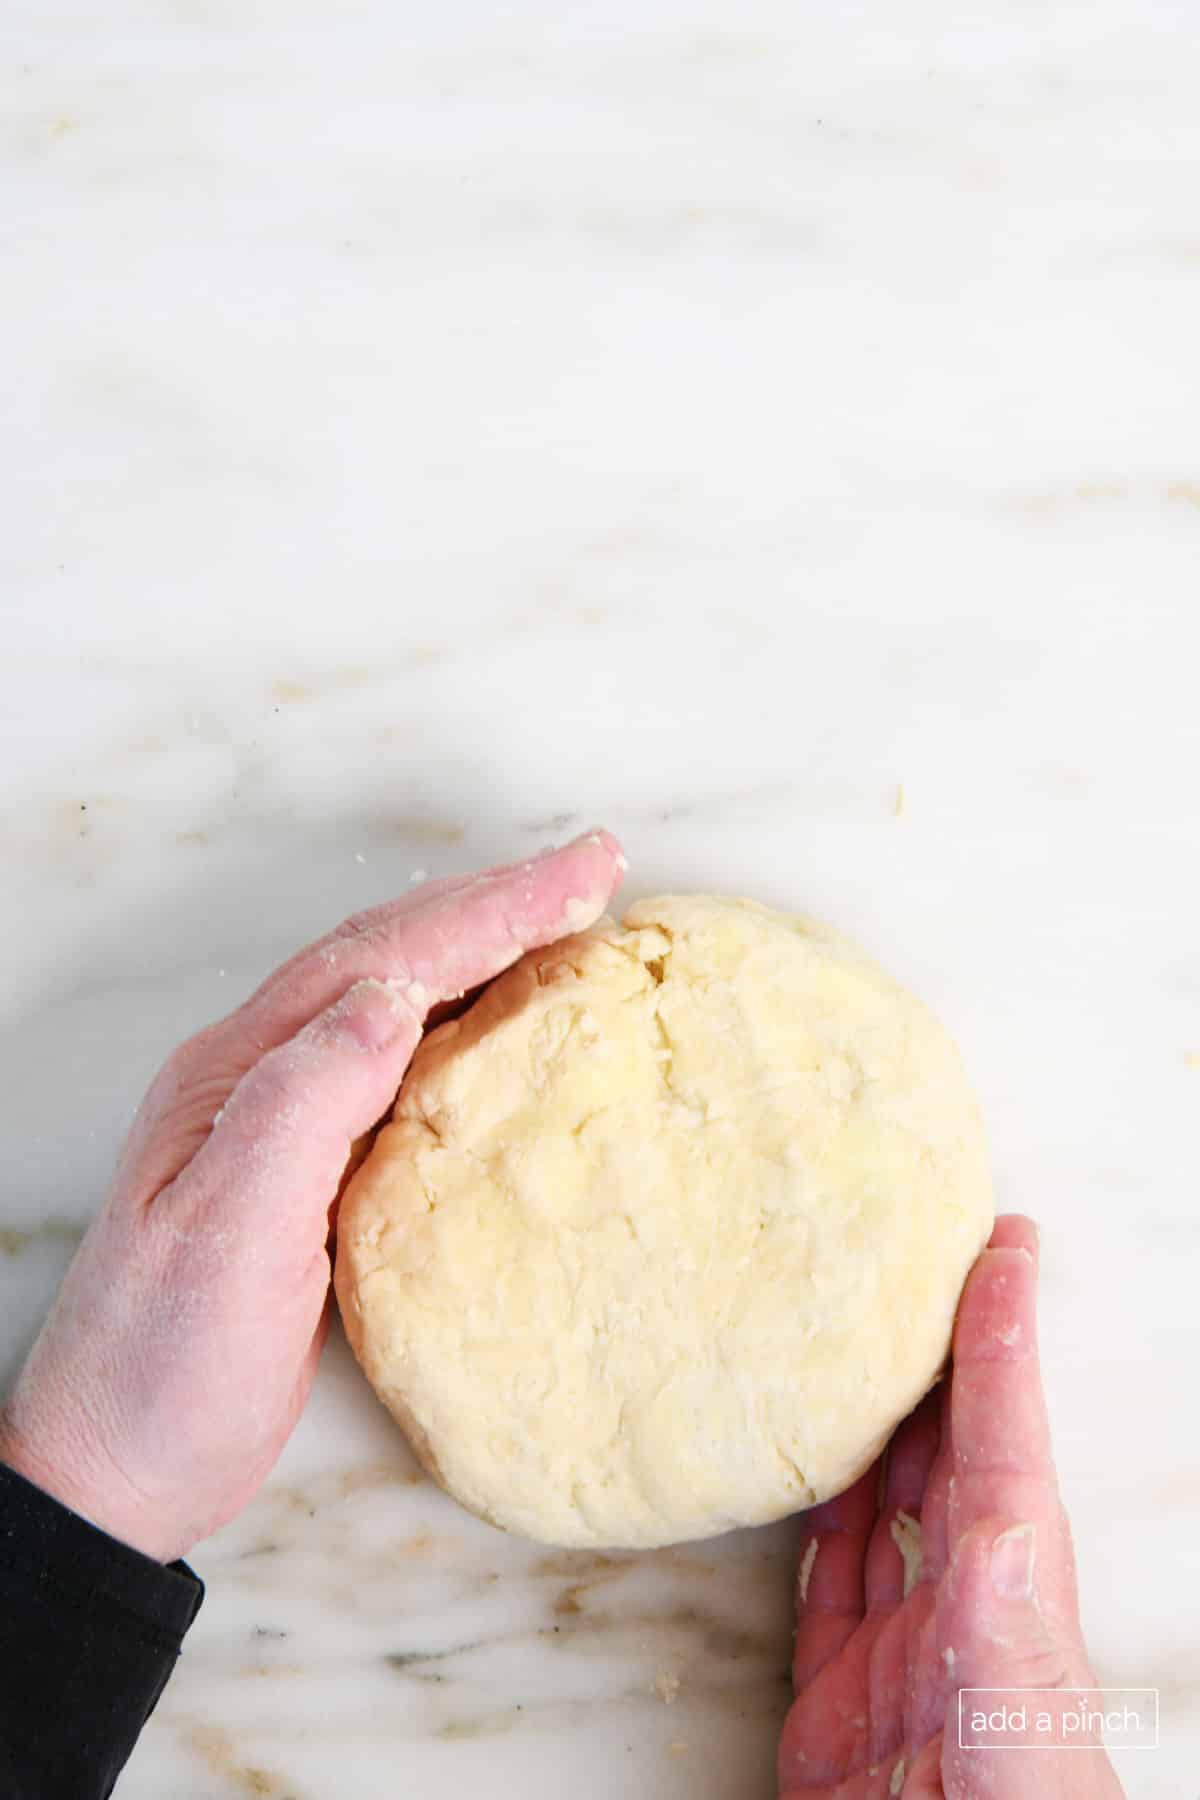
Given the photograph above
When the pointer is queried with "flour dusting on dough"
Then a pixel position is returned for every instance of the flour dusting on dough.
(668, 1228)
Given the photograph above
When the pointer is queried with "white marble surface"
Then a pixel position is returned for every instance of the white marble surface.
(434, 428)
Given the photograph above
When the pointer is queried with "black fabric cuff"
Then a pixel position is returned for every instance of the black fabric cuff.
(50, 1542)
(90, 1631)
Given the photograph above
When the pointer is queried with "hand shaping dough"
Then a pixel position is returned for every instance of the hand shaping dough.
(668, 1231)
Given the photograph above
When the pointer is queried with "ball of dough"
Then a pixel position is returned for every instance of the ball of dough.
(668, 1230)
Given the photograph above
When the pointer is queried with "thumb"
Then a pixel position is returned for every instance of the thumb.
(993, 1634)
(990, 1618)
(276, 1152)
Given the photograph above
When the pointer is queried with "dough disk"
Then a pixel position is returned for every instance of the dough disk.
(667, 1232)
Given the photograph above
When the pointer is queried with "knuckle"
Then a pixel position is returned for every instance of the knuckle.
(190, 1064)
(360, 927)
(178, 1069)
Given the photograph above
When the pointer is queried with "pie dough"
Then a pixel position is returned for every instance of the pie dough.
(668, 1230)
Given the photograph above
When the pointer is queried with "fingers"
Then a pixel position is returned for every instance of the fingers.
(1014, 1231)
(995, 1363)
(923, 1779)
(1003, 1465)
(444, 939)
(894, 1553)
(830, 1727)
(997, 1634)
(279, 1146)
(275, 1154)
(996, 1539)
(892, 1569)
(830, 1598)
(990, 1619)
(431, 945)
(998, 1425)
(934, 1521)
(988, 1626)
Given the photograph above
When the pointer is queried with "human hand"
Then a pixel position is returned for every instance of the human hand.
(184, 1340)
(881, 1654)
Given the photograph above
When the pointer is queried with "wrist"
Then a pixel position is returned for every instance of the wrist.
(65, 1480)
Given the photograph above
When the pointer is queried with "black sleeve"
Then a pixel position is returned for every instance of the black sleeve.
(89, 1632)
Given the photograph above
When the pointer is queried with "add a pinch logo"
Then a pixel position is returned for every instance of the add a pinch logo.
(1058, 1719)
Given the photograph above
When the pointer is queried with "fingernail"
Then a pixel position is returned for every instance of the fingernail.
(1012, 1560)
